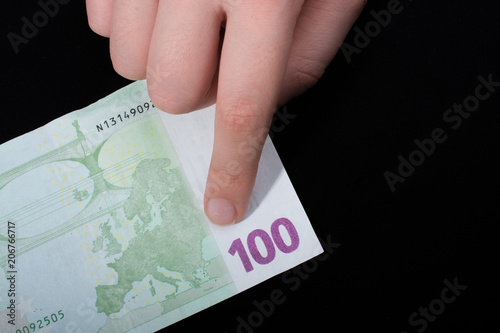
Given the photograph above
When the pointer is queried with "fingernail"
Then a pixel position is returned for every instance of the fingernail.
(221, 211)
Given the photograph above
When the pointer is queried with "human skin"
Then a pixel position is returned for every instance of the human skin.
(248, 56)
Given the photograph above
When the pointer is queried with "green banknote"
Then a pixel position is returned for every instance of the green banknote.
(102, 227)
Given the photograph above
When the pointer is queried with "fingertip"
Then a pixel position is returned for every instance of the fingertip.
(99, 25)
(221, 211)
(99, 16)
(124, 65)
(165, 98)
(228, 190)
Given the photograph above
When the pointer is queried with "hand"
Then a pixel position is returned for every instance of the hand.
(247, 55)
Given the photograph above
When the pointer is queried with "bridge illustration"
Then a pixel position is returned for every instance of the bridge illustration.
(105, 199)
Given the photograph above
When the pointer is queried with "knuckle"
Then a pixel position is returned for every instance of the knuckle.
(306, 72)
(241, 116)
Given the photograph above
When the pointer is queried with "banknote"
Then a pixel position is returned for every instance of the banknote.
(102, 226)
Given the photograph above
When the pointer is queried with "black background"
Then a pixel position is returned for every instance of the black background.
(396, 248)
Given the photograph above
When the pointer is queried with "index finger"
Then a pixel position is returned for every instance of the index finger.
(253, 63)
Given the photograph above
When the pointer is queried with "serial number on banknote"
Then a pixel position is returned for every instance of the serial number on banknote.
(125, 116)
(47, 320)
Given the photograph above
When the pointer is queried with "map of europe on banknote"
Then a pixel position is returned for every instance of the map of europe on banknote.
(102, 231)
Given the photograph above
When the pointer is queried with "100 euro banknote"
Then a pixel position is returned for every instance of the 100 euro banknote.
(102, 226)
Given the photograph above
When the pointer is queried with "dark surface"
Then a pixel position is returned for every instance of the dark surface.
(396, 248)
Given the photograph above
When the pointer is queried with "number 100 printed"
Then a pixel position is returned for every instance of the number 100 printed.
(270, 243)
